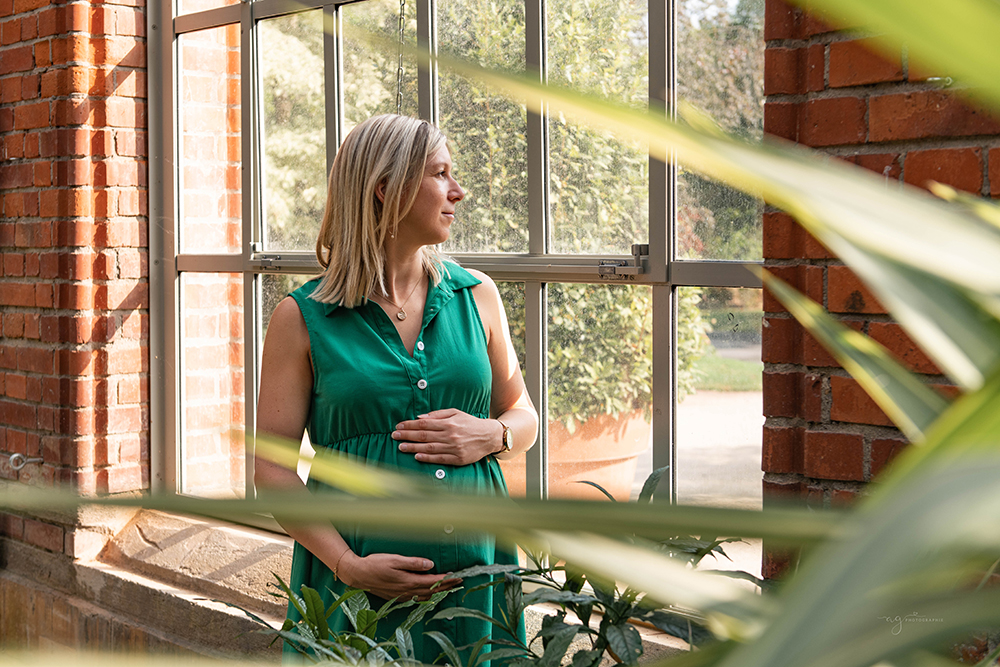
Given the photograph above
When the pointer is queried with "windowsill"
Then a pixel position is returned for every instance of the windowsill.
(175, 575)
(236, 564)
(221, 561)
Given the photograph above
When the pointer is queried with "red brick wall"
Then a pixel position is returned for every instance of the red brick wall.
(212, 303)
(824, 439)
(74, 325)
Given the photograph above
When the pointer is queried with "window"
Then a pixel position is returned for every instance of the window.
(622, 275)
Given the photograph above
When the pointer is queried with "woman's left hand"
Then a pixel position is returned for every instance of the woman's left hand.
(449, 436)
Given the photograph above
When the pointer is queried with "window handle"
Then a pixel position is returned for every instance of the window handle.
(622, 267)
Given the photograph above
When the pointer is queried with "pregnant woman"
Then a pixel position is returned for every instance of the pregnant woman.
(399, 358)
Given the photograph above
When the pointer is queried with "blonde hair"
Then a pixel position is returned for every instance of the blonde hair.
(389, 151)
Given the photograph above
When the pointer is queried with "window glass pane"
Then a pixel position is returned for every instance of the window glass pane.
(487, 130)
(294, 169)
(720, 411)
(370, 71)
(188, 6)
(274, 288)
(599, 186)
(720, 70)
(512, 296)
(210, 208)
(212, 389)
(599, 367)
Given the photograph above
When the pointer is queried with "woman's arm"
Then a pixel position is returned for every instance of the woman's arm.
(510, 402)
(286, 380)
(457, 438)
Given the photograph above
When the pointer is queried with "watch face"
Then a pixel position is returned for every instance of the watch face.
(506, 438)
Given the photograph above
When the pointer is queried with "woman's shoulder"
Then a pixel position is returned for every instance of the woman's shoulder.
(305, 289)
(303, 296)
(456, 276)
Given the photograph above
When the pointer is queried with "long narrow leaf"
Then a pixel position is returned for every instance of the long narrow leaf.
(963, 46)
(904, 398)
(495, 515)
(934, 623)
(848, 209)
(340, 471)
(910, 534)
(730, 609)
(969, 429)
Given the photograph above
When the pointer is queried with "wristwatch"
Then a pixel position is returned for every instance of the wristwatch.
(508, 439)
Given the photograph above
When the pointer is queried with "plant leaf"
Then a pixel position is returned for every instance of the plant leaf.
(586, 658)
(512, 592)
(677, 625)
(367, 622)
(316, 612)
(349, 593)
(353, 606)
(500, 654)
(479, 570)
(649, 486)
(969, 429)
(911, 404)
(960, 47)
(625, 641)
(404, 644)
(599, 488)
(424, 608)
(446, 647)
(462, 612)
(557, 646)
(923, 531)
(903, 225)
(730, 609)
(496, 515)
(540, 595)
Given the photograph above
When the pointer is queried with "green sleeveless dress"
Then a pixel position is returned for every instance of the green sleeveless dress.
(365, 383)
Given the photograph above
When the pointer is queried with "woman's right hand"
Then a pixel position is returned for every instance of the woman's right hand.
(392, 576)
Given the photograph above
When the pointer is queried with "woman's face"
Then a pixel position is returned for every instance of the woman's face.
(429, 219)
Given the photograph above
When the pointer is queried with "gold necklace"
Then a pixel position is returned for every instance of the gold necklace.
(401, 314)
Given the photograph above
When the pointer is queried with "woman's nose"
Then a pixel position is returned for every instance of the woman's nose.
(457, 193)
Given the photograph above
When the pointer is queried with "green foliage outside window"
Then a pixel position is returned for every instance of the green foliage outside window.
(599, 352)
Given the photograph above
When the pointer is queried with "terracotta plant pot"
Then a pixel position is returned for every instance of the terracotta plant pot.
(603, 450)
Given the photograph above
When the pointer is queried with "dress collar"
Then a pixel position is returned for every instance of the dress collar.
(453, 278)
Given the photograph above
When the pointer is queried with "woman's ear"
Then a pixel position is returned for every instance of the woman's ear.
(380, 191)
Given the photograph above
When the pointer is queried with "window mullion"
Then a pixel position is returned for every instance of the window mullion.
(664, 389)
(536, 468)
(163, 336)
(253, 233)
(661, 174)
(538, 177)
(427, 74)
(333, 78)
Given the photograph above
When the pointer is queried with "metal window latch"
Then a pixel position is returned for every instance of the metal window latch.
(18, 461)
(266, 262)
(622, 267)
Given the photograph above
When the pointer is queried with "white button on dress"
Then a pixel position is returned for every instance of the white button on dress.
(421, 384)
(439, 473)
(420, 344)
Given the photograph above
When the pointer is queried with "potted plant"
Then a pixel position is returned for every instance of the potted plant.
(599, 380)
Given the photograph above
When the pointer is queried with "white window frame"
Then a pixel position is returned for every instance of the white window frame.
(662, 271)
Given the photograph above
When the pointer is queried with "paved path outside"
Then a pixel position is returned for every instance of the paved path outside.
(718, 461)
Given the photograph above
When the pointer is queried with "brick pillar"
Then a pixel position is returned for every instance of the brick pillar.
(824, 439)
(73, 238)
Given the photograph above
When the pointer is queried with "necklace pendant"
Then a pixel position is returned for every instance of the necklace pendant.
(401, 315)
